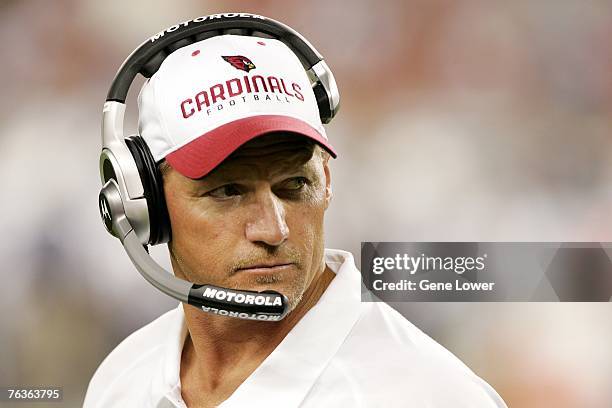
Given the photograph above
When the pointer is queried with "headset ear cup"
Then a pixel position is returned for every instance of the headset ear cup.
(323, 102)
(159, 220)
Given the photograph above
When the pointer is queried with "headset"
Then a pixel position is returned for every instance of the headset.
(131, 201)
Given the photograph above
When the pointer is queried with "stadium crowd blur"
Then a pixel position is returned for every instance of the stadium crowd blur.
(460, 121)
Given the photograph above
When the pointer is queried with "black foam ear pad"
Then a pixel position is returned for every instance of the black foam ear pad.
(323, 102)
(152, 182)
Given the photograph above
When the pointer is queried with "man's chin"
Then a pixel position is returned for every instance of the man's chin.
(263, 283)
(293, 289)
(250, 281)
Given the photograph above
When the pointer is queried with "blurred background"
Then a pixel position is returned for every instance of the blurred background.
(465, 120)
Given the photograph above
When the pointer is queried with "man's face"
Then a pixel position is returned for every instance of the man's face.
(256, 221)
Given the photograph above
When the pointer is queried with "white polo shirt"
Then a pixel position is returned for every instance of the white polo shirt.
(341, 353)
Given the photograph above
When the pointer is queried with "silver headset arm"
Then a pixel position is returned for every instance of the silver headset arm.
(152, 272)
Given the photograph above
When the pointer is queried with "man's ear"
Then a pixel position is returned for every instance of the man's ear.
(328, 186)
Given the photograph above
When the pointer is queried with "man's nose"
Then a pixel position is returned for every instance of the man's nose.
(267, 223)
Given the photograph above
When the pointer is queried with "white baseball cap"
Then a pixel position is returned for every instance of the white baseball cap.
(209, 98)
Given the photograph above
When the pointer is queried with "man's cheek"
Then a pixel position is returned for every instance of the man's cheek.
(304, 234)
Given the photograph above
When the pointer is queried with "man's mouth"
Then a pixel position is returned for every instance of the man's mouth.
(266, 268)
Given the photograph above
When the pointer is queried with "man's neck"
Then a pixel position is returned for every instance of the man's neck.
(220, 352)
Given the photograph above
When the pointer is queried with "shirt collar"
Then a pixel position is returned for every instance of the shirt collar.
(287, 374)
(166, 383)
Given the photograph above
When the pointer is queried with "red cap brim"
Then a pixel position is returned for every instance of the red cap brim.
(198, 157)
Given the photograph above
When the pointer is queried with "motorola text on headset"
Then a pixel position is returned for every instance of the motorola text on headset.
(131, 201)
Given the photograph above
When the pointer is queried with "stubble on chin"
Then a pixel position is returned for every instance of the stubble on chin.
(292, 287)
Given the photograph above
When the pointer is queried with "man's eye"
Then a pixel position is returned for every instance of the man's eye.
(224, 191)
(295, 183)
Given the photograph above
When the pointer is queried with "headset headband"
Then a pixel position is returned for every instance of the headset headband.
(147, 58)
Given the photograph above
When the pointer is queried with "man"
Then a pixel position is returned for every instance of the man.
(245, 164)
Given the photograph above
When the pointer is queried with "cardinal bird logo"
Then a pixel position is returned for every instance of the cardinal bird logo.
(239, 62)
